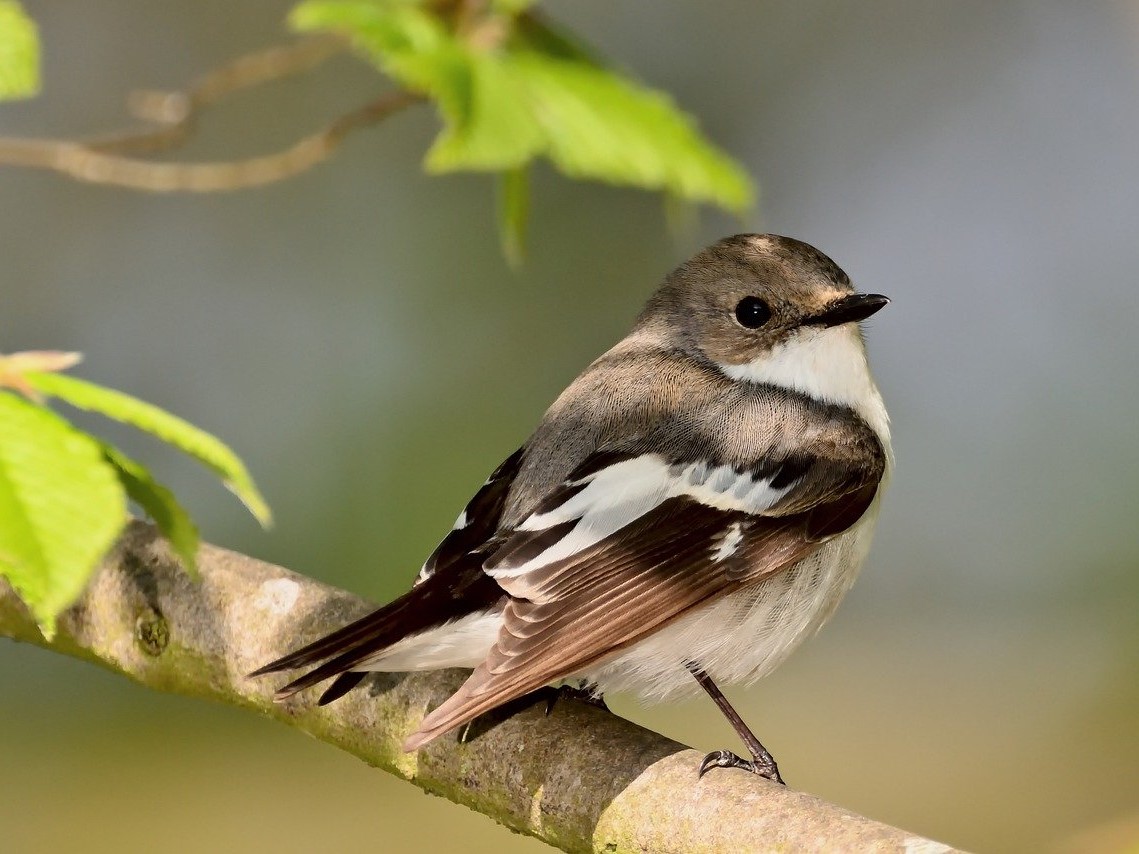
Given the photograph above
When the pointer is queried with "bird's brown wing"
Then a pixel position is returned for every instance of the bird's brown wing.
(569, 614)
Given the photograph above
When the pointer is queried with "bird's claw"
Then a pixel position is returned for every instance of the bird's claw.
(764, 766)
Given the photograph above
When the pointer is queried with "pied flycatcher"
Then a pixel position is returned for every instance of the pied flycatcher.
(691, 507)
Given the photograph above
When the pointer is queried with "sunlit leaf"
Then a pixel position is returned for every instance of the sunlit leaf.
(600, 125)
(19, 52)
(61, 507)
(199, 444)
(493, 129)
(532, 92)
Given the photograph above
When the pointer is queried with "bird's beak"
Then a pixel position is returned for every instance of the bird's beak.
(848, 309)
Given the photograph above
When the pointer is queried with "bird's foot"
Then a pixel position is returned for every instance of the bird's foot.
(763, 765)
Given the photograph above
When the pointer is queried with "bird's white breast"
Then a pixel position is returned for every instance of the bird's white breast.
(826, 364)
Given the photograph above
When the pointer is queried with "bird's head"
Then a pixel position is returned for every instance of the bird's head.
(747, 296)
(770, 310)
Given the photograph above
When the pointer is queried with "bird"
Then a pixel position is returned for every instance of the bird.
(688, 510)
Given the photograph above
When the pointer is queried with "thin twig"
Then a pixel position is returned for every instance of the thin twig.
(103, 160)
(175, 112)
(79, 161)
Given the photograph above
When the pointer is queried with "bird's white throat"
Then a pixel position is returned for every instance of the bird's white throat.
(826, 364)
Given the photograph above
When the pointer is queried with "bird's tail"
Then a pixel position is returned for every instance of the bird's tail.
(439, 599)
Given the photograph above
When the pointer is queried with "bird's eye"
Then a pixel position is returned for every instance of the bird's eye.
(752, 312)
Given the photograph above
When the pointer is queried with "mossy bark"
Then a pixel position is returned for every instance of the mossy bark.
(579, 778)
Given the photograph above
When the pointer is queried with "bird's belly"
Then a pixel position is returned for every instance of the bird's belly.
(744, 635)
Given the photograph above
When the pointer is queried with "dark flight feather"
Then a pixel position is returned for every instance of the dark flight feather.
(455, 586)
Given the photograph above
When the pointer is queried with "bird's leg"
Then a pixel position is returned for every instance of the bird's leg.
(579, 692)
(762, 762)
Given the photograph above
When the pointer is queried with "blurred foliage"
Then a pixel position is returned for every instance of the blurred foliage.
(511, 88)
(19, 53)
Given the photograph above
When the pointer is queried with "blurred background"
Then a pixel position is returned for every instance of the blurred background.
(356, 335)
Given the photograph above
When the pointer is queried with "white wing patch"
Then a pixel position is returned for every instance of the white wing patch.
(617, 495)
(730, 542)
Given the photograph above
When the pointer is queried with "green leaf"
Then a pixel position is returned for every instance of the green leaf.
(514, 213)
(536, 33)
(19, 53)
(600, 125)
(407, 42)
(392, 33)
(532, 92)
(160, 505)
(491, 128)
(416, 48)
(207, 449)
(61, 507)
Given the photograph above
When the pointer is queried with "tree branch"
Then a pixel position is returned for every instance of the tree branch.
(581, 779)
(174, 113)
(104, 160)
